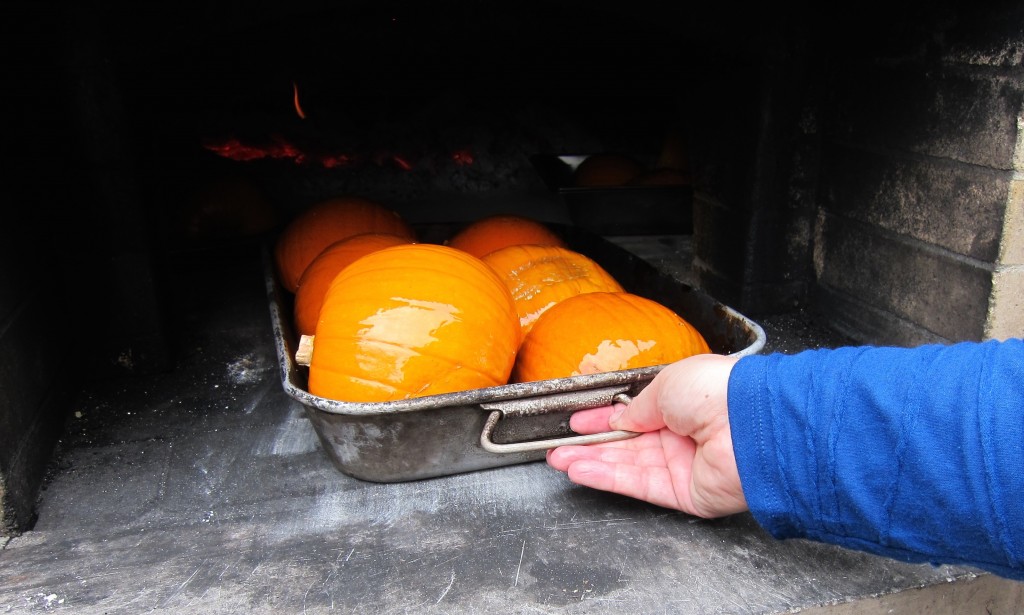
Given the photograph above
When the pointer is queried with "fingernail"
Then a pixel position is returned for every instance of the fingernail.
(614, 418)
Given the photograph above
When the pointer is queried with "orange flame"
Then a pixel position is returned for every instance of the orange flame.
(402, 163)
(295, 100)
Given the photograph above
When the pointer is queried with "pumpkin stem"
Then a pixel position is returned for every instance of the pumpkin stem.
(304, 354)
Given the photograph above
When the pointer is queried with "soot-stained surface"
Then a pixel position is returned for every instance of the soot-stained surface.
(205, 490)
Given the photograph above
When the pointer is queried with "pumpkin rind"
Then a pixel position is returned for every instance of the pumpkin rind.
(413, 320)
(540, 276)
(603, 332)
(317, 277)
(491, 233)
(606, 169)
(325, 223)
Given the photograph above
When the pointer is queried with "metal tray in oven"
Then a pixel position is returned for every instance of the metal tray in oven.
(496, 426)
(617, 210)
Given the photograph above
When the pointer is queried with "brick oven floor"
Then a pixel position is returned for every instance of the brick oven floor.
(205, 490)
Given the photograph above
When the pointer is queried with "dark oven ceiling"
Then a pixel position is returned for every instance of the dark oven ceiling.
(393, 79)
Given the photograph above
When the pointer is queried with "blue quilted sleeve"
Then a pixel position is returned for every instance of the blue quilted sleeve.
(911, 453)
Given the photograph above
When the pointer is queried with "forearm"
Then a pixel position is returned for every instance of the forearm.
(912, 453)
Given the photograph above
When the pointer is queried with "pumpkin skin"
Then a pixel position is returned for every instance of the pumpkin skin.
(328, 221)
(540, 276)
(606, 169)
(602, 332)
(413, 320)
(488, 234)
(317, 277)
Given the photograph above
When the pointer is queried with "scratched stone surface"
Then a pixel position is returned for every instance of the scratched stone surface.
(205, 490)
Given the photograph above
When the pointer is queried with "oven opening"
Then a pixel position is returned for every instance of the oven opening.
(837, 180)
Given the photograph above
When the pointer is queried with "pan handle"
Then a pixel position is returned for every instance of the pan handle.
(500, 409)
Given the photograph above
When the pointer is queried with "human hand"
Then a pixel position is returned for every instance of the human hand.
(684, 459)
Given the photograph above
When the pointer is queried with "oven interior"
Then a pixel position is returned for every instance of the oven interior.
(851, 167)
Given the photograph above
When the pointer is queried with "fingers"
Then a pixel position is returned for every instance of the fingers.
(591, 421)
(652, 449)
(654, 484)
(596, 420)
(644, 450)
(562, 457)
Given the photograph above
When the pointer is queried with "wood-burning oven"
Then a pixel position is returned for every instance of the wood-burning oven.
(858, 167)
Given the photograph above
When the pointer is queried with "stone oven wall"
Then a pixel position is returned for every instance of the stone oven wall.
(885, 192)
(919, 234)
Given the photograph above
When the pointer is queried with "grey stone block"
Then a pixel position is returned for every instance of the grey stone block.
(724, 289)
(956, 206)
(934, 289)
(866, 324)
(959, 114)
(719, 236)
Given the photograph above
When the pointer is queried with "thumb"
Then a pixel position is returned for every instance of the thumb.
(642, 413)
(684, 394)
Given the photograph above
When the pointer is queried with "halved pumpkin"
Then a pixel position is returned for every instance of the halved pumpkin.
(317, 277)
(413, 320)
(540, 276)
(328, 221)
(491, 233)
(603, 332)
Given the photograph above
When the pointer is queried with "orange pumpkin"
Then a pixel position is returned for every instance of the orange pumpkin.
(318, 275)
(607, 169)
(540, 276)
(413, 320)
(488, 234)
(603, 332)
(315, 228)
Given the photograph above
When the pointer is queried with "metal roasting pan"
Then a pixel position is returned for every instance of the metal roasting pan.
(617, 210)
(496, 426)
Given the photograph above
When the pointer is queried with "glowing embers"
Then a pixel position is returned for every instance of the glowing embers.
(278, 148)
(463, 157)
(306, 146)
